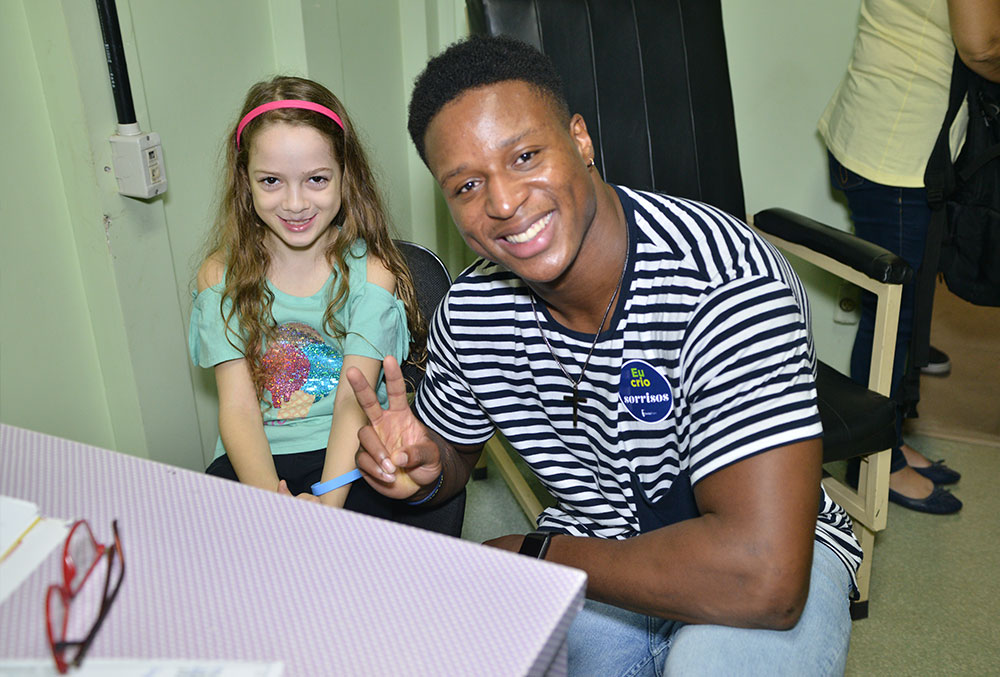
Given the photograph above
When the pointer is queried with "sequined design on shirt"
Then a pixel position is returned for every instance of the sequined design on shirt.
(301, 369)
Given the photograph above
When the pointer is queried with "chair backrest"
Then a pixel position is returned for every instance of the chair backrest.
(431, 281)
(650, 78)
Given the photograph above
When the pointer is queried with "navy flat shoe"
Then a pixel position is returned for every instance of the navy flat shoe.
(940, 502)
(938, 473)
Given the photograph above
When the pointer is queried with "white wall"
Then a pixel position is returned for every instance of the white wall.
(786, 57)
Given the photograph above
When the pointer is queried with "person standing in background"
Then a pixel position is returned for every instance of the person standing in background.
(879, 129)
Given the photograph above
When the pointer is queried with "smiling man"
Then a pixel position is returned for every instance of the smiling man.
(650, 359)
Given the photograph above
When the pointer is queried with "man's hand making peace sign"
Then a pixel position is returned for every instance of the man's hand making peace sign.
(399, 456)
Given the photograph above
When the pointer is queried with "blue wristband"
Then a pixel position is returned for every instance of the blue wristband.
(321, 488)
(433, 491)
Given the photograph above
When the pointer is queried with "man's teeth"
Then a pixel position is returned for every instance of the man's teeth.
(535, 229)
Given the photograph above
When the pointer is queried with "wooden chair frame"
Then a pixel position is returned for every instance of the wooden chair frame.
(868, 504)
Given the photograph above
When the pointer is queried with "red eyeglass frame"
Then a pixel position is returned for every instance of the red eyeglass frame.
(67, 592)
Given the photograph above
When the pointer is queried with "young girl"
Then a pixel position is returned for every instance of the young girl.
(302, 281)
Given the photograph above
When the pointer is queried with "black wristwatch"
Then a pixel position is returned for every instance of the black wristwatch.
(535, 544)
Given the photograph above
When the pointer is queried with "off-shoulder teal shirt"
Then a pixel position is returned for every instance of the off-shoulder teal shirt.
(303, 364)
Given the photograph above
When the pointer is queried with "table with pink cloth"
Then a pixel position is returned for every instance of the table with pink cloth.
(216, 570)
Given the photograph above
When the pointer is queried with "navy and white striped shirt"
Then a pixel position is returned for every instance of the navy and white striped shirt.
(708, 360)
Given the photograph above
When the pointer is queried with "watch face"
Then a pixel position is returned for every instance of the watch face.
(535, 544)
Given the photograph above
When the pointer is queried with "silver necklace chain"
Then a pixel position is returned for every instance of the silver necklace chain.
(575, 398)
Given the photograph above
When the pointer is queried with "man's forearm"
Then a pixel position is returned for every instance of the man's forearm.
(696, 571)
(744, 562)
(457, 464)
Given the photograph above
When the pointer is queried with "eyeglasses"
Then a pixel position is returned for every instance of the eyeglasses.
(81, 554)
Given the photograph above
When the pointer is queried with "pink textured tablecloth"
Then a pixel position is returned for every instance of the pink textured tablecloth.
(218, 570)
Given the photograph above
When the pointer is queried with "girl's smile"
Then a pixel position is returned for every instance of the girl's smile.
(298, 225)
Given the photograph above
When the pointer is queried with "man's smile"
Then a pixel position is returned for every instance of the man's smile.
(533, 230)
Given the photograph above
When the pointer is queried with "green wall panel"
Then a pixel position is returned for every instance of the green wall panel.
(50, 377)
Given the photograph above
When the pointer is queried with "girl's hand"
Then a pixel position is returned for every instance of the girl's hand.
(397, 456)
(283, 490)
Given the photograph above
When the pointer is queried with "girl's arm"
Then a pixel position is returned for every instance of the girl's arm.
(240, 423)
(242, 427)
(348, 419)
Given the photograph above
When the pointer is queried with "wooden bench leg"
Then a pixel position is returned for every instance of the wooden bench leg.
(859, 607)
(518, 486)
(479, 472)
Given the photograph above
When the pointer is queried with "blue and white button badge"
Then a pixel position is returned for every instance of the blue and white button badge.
(645, 392)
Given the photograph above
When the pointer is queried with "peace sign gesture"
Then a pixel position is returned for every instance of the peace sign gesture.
(397, 455)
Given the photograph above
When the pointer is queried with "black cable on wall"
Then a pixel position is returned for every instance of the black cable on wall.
(107, 12)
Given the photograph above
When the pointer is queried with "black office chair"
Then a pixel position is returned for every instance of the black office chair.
(651, 79)
(431, 281)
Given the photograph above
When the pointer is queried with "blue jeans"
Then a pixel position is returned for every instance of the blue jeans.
(897, 219)
(606, 641)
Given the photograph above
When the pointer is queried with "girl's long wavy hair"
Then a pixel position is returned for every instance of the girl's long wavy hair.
(238, 237)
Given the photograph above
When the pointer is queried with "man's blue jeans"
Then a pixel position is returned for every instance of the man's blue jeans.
(897, 219)
(605, 641)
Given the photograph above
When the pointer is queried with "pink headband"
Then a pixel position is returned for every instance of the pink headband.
(285, 103)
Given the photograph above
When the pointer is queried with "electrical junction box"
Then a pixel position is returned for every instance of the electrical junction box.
(138, 163)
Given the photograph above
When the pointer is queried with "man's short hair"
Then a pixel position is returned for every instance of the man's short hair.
(474, 62)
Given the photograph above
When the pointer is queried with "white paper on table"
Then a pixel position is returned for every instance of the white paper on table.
(129, 667)
(27, 541)
(16, 517)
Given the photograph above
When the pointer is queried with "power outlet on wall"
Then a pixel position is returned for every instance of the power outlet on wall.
(848, 308)
(138, 161)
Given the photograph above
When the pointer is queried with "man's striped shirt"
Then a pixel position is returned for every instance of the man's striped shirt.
(708, 360)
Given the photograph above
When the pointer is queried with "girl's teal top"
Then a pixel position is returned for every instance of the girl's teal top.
(304, 362)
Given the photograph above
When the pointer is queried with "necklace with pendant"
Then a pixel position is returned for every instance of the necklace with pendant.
(576, 398)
